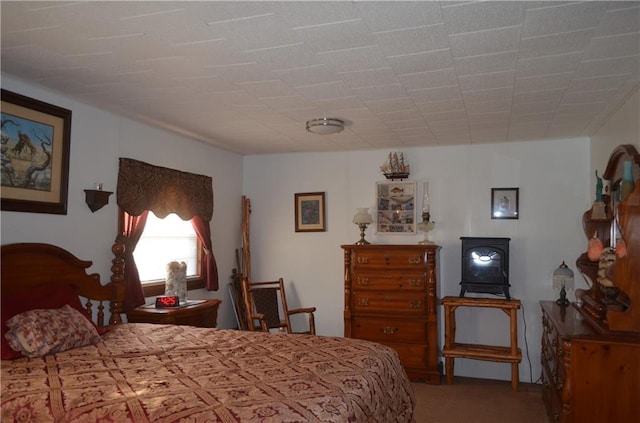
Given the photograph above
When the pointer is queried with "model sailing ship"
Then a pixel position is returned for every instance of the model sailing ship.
(395, 168)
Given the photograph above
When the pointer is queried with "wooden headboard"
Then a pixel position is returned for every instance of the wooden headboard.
(29, 265)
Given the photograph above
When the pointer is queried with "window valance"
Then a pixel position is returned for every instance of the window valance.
(142, 186)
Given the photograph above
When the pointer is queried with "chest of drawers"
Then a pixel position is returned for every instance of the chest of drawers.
(587, 376)
(390, 298)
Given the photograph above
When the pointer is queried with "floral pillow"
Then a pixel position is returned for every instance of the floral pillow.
(36, 333)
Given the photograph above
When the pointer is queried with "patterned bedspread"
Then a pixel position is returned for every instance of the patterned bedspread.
(164, 373)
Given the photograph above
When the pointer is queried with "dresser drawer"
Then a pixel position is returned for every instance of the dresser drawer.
(413, 303)
(390, 330)
(389, 280)
(390, 259)
(411, 355)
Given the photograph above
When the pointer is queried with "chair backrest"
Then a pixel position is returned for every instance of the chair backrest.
(266, 301)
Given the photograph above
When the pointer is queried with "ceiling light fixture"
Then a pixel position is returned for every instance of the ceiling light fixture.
(325, 126)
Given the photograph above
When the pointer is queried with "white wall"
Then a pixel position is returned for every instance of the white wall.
(623, 127)
(98, 139)
(553, 177)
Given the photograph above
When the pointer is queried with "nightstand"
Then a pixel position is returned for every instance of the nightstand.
(202, 313)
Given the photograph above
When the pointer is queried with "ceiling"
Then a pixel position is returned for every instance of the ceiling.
(246, 76)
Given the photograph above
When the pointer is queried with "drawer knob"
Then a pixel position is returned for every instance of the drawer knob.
(363, 301)
(414, 282)
(389, 330)
(363, 260)
(388, 298)
(363, 281)
(415, 304)
(415, 260)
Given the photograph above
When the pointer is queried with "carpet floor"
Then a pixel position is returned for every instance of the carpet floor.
(470, 400)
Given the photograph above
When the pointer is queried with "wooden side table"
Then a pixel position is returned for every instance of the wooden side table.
(452, 349)
(201, 313)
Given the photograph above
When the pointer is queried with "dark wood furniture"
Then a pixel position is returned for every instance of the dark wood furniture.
(502, 354)
(390, 298)
(587, 376)
(27, 266)
(203, 314)
(591, 349)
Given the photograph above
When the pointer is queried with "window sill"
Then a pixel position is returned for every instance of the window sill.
(157, 288)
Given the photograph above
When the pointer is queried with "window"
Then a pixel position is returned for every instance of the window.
(165, 240)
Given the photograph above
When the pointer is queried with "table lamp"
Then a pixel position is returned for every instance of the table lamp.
(362, 218)
(563, 280)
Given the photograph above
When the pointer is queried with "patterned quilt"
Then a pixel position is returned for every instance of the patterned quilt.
(165, 373)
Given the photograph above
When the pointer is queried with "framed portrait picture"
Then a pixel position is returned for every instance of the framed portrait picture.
(505, 203)
(310, 212)
(35, 155)
(396, 203)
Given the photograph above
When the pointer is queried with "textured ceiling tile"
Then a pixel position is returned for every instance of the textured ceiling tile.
(485, 42)
(471, 17)
(548, 64)
(388, 16)
(379, 106)
(496, 94)
(413, 40)
(450, 115)
(369, 77)
(562, 18)
(546, 82)
(572, 42)
(435, 94)
(613, 46)
(487, 63)
(429, 79)
(360, 58)
(246, 76)
(604, 67)
(487, 81)
(421, 62)
(620, 21)
(440, 106)
(335, 36)
(305, 75)
(380, 92)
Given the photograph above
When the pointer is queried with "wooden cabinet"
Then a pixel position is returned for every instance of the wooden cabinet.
(587, 377)
(390, 298)
(203, 313)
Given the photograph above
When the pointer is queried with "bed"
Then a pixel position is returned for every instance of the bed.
(138, 372)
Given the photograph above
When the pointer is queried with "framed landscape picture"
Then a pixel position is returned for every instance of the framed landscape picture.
(35, 155)
(396, 203)
(310, 212)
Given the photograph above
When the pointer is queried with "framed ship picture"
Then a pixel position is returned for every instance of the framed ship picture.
(396, 204)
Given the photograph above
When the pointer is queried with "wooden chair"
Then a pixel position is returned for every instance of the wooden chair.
(266, 303)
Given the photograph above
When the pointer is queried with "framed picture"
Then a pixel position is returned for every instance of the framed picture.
(504, 203)
(310, 212)
(396, 202)
(35, 155)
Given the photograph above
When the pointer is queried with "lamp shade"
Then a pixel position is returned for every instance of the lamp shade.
(325, 126)
(362, 216)
(563, 277)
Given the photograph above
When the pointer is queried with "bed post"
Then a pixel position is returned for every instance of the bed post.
(117, 280)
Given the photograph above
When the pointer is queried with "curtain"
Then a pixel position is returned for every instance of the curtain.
(143, 187)
(133, 227)
(210, 267)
